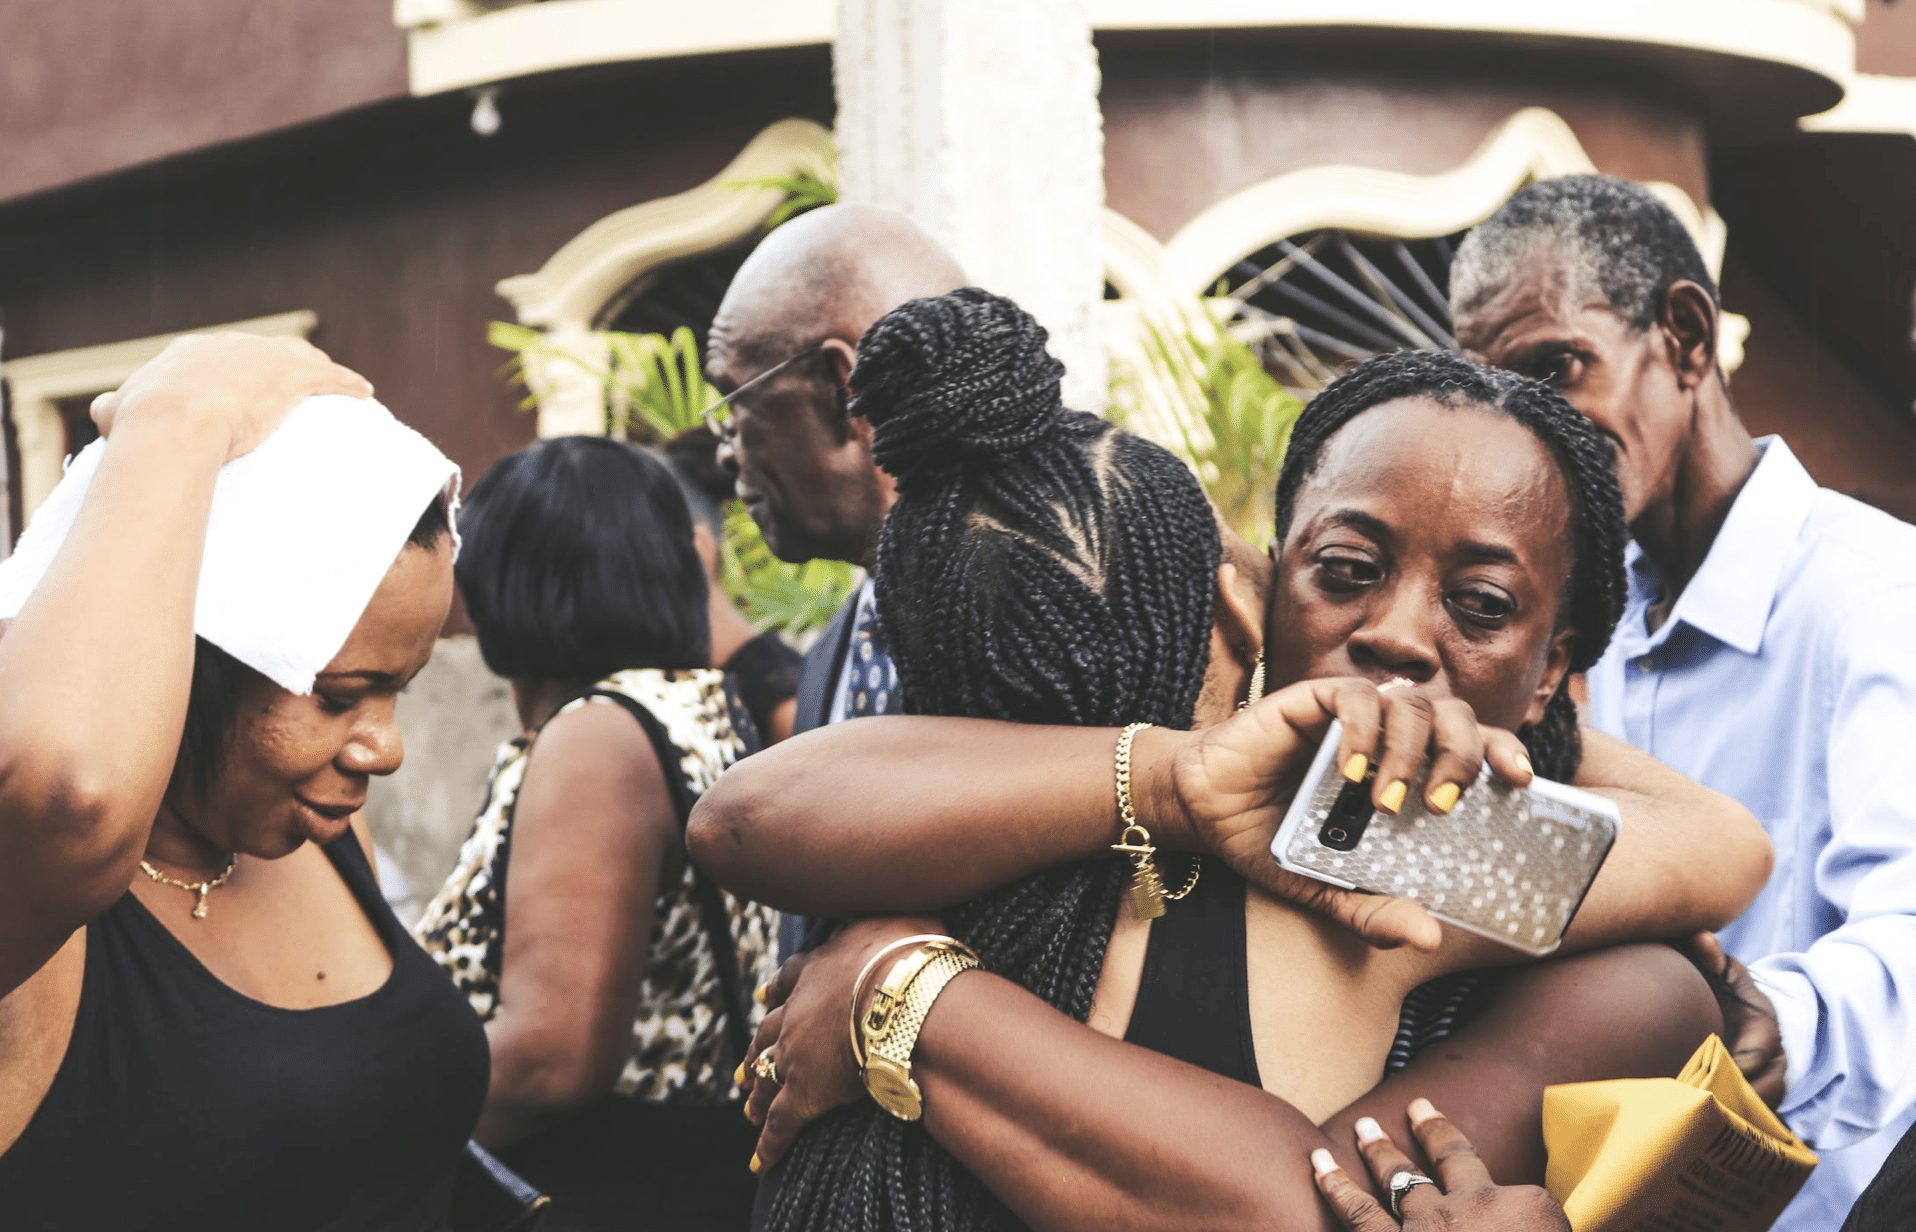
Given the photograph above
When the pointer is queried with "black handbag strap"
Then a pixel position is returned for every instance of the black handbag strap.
(714, 915)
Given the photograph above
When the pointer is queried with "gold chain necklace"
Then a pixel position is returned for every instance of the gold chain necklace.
(201, 888)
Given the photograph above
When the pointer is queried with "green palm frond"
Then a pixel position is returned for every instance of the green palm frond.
(772, 593)
(1230, 419)
(657, 383)
(803, 191)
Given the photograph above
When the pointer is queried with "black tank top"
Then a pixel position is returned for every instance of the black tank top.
(1194, 998)
(183, 1104)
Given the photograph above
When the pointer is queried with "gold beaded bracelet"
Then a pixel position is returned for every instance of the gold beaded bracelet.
(1147, 893)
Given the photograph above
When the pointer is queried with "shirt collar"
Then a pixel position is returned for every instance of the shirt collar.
(1731, 596)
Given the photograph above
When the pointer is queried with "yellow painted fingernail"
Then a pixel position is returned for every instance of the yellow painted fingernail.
(758, 994)
(747, 1110)
(755, 1165)
(1393, 797)
(1523, 763)
(1356, 766)
(1444, 797)
(738, 1078)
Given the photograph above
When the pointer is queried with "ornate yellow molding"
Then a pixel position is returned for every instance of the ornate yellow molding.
(567, 295)
(40, 382)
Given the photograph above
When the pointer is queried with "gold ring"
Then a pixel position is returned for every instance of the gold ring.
(766, 1067)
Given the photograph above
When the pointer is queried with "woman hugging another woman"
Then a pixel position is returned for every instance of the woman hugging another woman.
(1439, 524)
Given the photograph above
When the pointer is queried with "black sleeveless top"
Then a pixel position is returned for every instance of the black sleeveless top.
(1194, 999)
(182, 1103)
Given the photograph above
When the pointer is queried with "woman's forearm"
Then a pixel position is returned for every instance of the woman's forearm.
(1634, 1011)
(536, 1082)
(906, 815)
(95, 672)
(1077, 1132)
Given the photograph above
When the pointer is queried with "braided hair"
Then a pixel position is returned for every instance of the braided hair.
(1043, 566)
(1593, 595)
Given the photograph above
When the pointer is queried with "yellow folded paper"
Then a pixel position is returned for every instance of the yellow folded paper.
(1700, 1152)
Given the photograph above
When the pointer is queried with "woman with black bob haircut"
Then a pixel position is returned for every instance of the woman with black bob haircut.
(614, 979)
(1044, 566)
(578, 563)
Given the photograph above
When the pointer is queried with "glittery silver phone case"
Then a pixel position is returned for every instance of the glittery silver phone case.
(1511, 864)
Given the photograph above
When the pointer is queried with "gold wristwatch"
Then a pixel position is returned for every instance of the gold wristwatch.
(897, 1013)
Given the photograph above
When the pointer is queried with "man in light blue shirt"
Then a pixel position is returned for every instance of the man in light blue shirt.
(1768, 648)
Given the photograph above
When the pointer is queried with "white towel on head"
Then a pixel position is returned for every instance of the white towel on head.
(303, 529)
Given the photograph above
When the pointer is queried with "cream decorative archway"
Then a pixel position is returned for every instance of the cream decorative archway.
(39, 383)
(566, 296)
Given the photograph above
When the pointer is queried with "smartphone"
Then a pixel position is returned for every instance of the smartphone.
(1512, 864)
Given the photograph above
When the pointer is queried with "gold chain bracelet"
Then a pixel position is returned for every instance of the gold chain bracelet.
(1147, 893)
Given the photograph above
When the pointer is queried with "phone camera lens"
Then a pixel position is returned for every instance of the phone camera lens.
(1337, 835)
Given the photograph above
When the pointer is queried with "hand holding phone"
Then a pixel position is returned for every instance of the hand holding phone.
(1512, 864)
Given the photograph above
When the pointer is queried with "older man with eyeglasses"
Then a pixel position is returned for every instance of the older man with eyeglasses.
(782, 349)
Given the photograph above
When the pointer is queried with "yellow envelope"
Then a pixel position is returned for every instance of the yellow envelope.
(1700, 1152)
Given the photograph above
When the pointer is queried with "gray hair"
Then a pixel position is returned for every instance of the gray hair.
(1613, 238)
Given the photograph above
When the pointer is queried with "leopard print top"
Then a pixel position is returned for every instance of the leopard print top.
(678, 1047)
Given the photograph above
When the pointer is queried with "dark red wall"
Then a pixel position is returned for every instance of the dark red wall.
(393, 226)
(1189, 120)
(89, 87)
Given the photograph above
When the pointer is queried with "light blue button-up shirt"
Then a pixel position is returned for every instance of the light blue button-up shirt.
(1785, 677)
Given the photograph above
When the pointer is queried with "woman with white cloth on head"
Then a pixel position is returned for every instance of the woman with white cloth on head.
(208, 1018)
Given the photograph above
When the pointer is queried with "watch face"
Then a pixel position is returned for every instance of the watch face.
(893, 1089)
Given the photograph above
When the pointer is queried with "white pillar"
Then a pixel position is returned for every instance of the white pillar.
(980, 120)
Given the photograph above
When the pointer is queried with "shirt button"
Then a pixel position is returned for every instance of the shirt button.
(1646, 665)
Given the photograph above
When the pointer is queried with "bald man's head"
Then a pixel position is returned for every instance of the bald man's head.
(831, 272)
(811, 289)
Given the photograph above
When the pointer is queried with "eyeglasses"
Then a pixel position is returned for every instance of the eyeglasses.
(718, 417)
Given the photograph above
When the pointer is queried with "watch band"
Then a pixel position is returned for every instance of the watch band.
(890, 996)
(896, 1016)
(857, 1019)
(901, 1035)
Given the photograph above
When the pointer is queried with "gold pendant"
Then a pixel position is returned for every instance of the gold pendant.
(199, 908)
(1146, 892)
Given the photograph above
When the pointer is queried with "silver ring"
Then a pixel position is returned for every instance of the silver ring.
(1402, 1184)
(766, 1067)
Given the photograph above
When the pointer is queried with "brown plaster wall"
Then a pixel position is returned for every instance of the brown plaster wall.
(393, 226)
(94, 86)
(1791, 384)
(1189, 120)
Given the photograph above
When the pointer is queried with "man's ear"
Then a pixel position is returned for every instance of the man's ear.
(839, 358)
(1689, 323)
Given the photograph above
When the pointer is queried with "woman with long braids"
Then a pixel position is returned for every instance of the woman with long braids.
(1045, 567)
